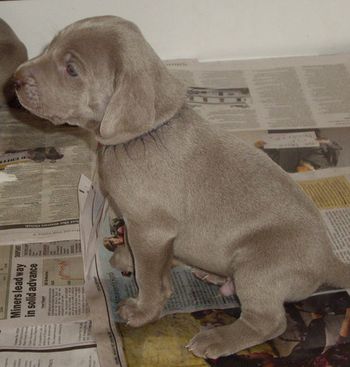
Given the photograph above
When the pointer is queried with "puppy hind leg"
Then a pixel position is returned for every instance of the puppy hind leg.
(252, 328)
(262, 318)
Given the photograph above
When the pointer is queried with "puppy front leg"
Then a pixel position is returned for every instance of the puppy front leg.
(152, 252)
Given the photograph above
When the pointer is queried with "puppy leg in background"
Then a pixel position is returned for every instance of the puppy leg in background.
(152, 271)
(227, 287)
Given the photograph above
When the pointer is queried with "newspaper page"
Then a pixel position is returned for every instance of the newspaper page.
(43, 308)
(56, 345)
(330, 190)
(266, 94)
(40, 166)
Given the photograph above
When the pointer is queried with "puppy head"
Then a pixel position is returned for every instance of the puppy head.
(100, 73)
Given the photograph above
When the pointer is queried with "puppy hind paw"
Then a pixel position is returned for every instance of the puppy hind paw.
(210, 344)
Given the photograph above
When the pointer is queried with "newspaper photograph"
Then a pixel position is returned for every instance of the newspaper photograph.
(41, 282)
(302, 150)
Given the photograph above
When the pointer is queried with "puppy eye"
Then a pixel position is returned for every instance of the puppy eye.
(71, 70)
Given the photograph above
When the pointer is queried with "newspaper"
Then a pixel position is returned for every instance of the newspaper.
(266, 94)
(65, 344)
(43, 309)
(40, 166)
(44, 317)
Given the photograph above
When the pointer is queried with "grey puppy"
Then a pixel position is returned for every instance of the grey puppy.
(184, 187)
(12, 54)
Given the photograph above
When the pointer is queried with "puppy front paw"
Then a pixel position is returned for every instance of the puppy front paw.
(134, 314)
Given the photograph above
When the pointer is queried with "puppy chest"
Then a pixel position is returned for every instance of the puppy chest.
(135, 185)
(113, 175)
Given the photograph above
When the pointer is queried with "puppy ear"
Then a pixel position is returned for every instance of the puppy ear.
(145, 94)
(131, 109)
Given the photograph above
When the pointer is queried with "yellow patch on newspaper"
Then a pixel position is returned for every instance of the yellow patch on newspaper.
(328, 193)
(162, 343)
(265, 348)
(63, 271)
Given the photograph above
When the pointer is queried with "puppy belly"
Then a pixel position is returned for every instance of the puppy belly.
(209, 263)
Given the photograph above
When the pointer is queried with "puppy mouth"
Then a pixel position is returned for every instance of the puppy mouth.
(28, 94)
(29, 97)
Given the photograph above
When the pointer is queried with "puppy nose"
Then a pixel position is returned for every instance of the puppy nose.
(18, 81)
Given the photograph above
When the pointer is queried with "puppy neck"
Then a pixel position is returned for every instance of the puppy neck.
(150, 133)
(156, 128)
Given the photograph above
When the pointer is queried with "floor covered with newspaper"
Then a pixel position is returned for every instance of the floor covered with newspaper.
(44, 314)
